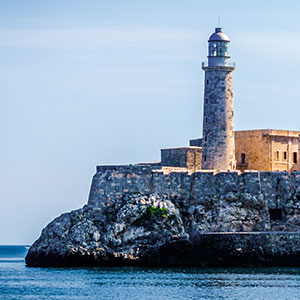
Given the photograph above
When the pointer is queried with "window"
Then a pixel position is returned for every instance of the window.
(205, 138)
(275, 214)
(277, 155)
(206, 100)
(206, 120)
(204, 157)
(243, 158)
(284, 155)
(207, 81)
(295, 159)
(218, 48)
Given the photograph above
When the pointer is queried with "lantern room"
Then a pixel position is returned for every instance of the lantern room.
(218, 49)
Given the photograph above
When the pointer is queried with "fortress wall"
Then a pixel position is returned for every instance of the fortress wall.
(226, 201)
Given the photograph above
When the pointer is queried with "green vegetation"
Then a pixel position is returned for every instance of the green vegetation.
(158, 212)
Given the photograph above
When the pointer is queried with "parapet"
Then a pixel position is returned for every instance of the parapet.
(136, 168)
(269, 132)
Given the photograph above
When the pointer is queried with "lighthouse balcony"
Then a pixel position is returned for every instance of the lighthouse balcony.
(227, 65)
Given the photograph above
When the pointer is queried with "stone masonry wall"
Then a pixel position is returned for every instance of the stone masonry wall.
(183, 157)
(174, 157)
(218, 136)
(208, 202)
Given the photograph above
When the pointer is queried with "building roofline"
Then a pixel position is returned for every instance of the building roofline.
(260, 129)
(183, 148)
(274, 132)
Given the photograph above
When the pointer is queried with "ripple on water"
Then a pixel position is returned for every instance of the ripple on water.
(20, 282)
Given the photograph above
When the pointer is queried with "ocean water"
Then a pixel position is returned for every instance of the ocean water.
(20, 282)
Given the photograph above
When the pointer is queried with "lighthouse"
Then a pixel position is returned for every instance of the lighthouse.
(218, 136)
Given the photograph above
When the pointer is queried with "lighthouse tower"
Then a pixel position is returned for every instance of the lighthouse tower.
(218, 136)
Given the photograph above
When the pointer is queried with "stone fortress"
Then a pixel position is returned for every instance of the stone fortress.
(232, 181)
(222, 148)
(225, 165)
(231, 198)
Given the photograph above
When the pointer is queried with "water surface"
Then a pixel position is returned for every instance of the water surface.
(20, 282)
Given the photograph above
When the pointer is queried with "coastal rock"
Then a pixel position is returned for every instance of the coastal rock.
(137, 215)
(80, 237)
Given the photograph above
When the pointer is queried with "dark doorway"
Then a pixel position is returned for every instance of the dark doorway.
(275, 214)
(243, 158)
(295, 158)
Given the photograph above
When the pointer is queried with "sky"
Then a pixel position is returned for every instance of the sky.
(95, 82)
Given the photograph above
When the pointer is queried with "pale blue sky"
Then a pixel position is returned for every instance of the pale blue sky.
(85, 83)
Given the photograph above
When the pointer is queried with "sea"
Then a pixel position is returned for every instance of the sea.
(20, 282)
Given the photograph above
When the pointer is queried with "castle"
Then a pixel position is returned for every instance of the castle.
(222, 148)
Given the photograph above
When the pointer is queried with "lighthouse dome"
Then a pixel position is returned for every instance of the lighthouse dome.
(218, 35)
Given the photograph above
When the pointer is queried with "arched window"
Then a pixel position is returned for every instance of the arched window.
(243, 158)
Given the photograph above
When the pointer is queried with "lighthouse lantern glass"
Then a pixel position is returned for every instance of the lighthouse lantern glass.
(218, 48)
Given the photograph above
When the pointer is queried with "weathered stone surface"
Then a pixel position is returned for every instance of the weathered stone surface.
(138, 214)
(105, 235)
(183, 157)
(218, 136)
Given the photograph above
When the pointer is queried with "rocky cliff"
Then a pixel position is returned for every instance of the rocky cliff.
(141, 215)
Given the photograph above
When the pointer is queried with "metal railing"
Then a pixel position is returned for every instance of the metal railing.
(227, 64)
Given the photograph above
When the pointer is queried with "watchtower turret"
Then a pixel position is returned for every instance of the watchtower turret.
(218, 135)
